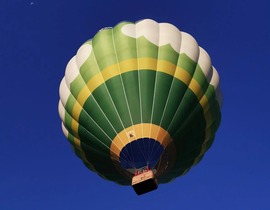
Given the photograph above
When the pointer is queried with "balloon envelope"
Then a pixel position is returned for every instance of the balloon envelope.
(140, 94)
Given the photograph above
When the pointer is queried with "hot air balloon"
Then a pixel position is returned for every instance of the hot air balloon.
(140, 103)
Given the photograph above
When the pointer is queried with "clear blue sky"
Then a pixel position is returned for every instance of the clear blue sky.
(38, 169)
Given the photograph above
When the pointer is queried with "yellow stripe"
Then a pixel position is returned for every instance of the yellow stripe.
(95, 82)
(131, 65)
(182, 75)
(74, 127)
(128, 65)
(147, 63)
(76, 111)
(144, 130)
(196, 88)
(166, 67)
(83, 95)
(204, 102)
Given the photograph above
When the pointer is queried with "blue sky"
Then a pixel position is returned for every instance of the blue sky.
(38, 167)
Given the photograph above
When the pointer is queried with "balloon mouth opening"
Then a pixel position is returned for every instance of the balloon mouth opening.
(143, 152)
